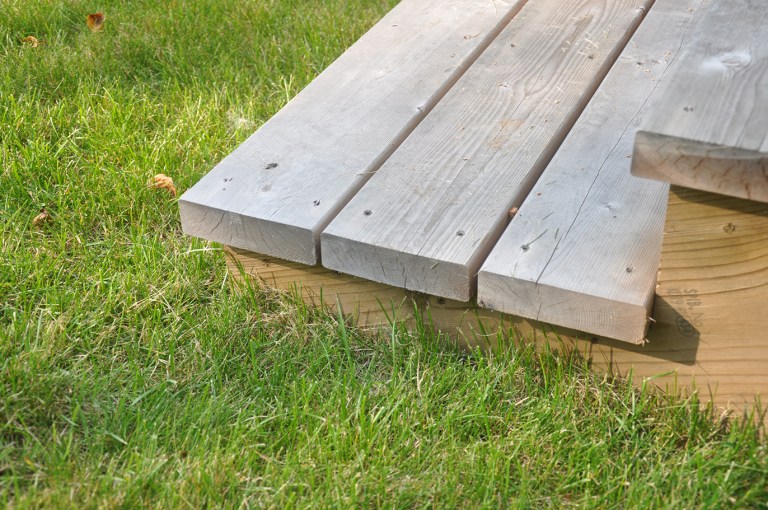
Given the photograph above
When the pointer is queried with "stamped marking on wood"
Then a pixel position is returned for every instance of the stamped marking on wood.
(687, 303)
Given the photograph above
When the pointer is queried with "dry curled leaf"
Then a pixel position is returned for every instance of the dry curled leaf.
(41, 218)
(31, 40)
(164, 182)
(96, 21)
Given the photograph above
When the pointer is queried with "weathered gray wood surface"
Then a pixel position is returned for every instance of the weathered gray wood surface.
(709, 128)
(583, 250)
(433, 211)
(279, 189)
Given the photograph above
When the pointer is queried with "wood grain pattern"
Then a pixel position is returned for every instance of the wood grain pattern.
(709, 128)
(714, 273)
(727, 364)
(431, 214)
(281, 187)
(583, 250)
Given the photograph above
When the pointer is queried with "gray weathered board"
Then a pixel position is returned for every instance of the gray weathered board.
(431, 214)
(583, 250)
(709, 128)
(281, 187)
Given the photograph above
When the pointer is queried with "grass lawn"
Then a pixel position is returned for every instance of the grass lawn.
(135, 373)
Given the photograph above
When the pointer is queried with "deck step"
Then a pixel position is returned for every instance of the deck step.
(277, 191)
(709, 128)
(431, 214)
(583, 250)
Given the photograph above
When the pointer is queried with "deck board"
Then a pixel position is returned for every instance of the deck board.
(583, 250)
(709, 128)
(431, 214)
(277, 191)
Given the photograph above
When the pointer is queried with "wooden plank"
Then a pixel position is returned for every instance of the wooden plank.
(367, 303)
(716, 250)
(583, 250)
(709, 128)
(714, 272)
(280, 188)
(431, 214)
(728, 365)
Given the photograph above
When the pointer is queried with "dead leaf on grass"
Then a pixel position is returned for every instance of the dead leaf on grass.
(162, 181)
(96, 21)
(41, 218)
(32, 41)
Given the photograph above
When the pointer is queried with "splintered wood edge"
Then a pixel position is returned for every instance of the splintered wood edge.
(670, 359)
(729, 171)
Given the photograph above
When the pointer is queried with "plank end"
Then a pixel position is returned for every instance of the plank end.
(730, 171)
(397, 268)
(292, 243)
(624, 321)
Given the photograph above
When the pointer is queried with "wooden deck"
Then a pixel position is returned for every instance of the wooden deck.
(471, 162)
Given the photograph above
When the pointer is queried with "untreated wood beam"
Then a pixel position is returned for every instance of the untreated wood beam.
(583, 249)
(708, 130)
(281, 187)
(432, 213)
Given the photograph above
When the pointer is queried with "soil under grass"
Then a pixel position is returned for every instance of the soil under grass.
(135, 373)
